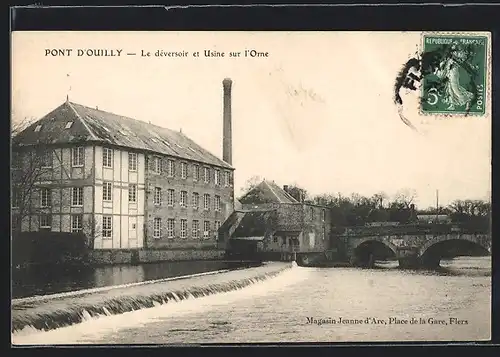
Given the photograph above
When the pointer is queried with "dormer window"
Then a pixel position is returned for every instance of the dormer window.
(68, 125)
(38, 127)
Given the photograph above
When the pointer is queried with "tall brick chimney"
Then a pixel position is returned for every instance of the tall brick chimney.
(227, 140)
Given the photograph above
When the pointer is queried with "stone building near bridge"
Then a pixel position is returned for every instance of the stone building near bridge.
(272, 224)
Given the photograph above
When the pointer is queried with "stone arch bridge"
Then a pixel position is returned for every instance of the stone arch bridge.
(424, 249)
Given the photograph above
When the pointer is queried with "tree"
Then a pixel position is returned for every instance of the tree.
(30, 165)
(404, 198)
(470, 207)
(250, 184)
(91, 229)
(299, 193)
(475, 213)
(19, 125)
(379, 199)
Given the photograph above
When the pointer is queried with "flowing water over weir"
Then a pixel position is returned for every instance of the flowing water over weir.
(43, 313)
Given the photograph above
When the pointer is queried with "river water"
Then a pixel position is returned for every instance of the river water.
(312, 305)
(43, 281)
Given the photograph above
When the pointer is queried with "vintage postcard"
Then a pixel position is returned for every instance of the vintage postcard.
(250, 187)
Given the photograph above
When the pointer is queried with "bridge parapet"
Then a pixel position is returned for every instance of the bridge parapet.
(408, 229)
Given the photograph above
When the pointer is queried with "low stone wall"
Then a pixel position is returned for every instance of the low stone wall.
(146, 256)
(137, 256)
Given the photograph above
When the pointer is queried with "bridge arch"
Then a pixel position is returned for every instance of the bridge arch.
(450, 246)
(366, 251)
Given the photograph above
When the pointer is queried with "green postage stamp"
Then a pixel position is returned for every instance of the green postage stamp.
(455, 73)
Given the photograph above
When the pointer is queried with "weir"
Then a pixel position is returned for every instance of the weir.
(52, 312)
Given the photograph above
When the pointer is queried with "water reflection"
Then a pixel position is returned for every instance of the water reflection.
(49, 280)
(458, 266)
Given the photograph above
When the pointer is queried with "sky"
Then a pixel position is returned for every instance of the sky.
(317, 111)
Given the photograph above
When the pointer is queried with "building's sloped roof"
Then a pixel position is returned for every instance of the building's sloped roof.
(432, 217)
(237, 204)
(91, 124)
(232, 222)
(267, 192)
(254, 224)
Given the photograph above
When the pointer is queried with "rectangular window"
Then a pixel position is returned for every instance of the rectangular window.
(77, 156)
(184, 170)
(312, 213)
(227, 178)
(206, 202)
(77, 196)
(132, 193)
(157, 164)
(132, 161)
(170, 228)
(184, 198)
(170, 197)
(107, 227)
(16, 197)
(76, 223)
(275, 239)
(217, 203)
(184, 225)
(45, 221)
(196, 172)
(157, 196)
(45, 197)
(206, 174)
(196, 200)
(217, 177)
(206, 229)
(323, 215)
(107, 157)
(157, 228)
(170, 168)
(107, 188)
(216, 229)
(324, 233)
(45, 158)
(196, 229)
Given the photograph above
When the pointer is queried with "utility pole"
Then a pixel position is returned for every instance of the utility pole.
(437, 206)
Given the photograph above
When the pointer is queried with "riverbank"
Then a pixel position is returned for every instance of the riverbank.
(46, 313)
